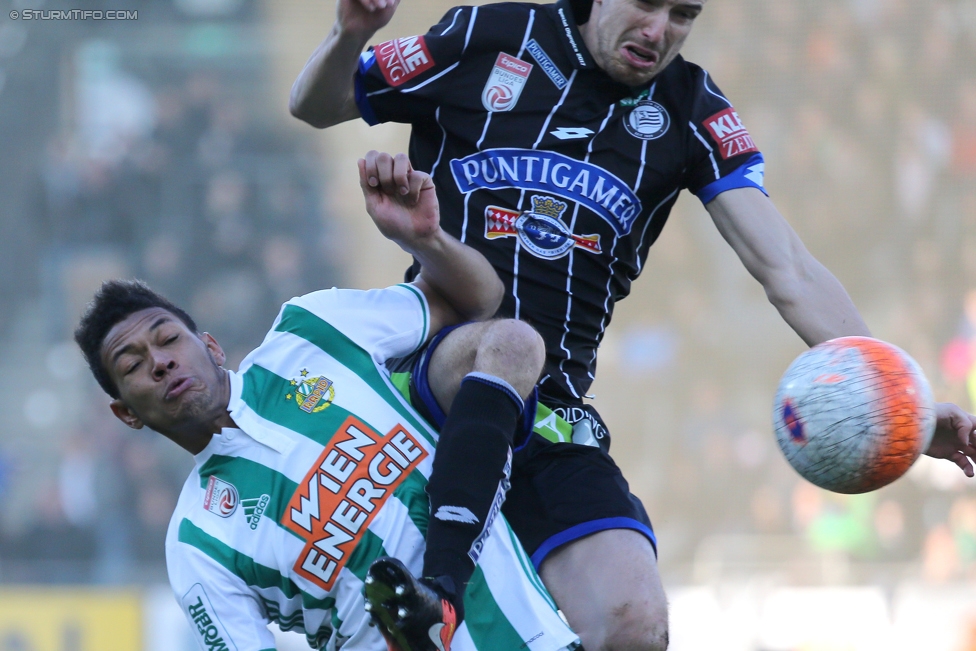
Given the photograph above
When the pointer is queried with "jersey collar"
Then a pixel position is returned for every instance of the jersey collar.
(576, 48)
(249, 423)
(571, 37)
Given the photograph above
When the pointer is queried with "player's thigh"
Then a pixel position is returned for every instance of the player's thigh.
(608, 587)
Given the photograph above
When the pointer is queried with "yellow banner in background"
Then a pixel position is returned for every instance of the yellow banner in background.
(70, 619)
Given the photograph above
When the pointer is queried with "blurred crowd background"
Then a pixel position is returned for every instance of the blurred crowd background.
(161, 148)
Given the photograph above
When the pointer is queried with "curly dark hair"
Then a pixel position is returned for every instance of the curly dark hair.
(114, 302)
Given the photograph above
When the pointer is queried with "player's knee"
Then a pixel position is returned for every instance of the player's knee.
(521, 339)
(513, 350)
(636, 629)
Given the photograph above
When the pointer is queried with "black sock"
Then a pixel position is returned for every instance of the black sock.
(470, 476)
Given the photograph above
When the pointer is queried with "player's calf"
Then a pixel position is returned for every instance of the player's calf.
(617, 604)
(485, 370)
(630, 630)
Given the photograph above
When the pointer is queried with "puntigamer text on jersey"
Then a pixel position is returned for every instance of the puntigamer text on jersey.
(548, 171)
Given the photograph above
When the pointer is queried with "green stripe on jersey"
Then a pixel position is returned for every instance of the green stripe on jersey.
(252, 480)
(487, 624)
(367, 550)
(413, 493)
(264, 392)
(245, 567)
(302, 323)
(295, 620)
(528, 569)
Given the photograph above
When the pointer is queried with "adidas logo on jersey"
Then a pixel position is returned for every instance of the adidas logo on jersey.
(254, 509)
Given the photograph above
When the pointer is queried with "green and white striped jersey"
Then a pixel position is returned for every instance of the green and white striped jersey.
(280, 519)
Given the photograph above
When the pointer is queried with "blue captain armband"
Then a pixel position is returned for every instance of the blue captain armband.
(366, 61)
(747, 175)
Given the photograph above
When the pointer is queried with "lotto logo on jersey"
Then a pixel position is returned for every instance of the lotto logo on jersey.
(730, 134)
(221, 497)
(402, 59)
(342, 493)
(505, 83)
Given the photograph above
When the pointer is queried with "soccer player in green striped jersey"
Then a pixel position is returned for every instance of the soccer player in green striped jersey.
(309, 463)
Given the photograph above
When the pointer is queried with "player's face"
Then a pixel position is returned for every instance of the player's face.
(169, 377)
(633, 40)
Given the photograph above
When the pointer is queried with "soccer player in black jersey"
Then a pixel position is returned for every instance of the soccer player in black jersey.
(559, 137)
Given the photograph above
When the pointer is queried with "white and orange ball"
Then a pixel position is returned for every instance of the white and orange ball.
(853, 414)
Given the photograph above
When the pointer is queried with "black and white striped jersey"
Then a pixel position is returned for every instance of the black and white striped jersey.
(560, 176)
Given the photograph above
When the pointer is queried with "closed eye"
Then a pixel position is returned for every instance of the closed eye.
(132, 368)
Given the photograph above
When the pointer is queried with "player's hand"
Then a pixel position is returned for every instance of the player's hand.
(954, 437)
(364, 17)
(402, 201)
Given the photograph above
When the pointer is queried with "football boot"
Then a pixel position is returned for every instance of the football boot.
(410, 613)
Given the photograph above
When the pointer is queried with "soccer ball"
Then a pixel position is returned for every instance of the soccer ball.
(853, 414)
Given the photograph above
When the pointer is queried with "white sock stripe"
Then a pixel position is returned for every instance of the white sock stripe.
(496, 506)
(498, 383)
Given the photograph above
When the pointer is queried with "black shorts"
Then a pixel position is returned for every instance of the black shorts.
(561, 491)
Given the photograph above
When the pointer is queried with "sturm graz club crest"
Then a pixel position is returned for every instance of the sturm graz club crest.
(540, 230)
(311, 394)
(647, 120)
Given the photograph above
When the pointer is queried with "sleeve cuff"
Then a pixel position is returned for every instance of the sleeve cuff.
(366, 61)
(747, 175)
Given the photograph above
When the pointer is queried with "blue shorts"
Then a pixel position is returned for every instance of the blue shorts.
(560, 491)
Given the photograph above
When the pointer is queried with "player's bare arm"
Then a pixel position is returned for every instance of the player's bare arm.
(459, 283)
(322, 95)
(809, 298)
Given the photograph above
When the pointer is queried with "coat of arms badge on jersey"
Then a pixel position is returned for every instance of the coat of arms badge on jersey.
(540, 230)
(311, 394)
(505, 84)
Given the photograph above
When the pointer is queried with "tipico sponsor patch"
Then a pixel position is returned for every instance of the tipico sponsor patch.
(505, 84)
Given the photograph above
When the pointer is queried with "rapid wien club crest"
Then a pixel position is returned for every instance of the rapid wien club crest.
(311, 394)
(539, 230)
